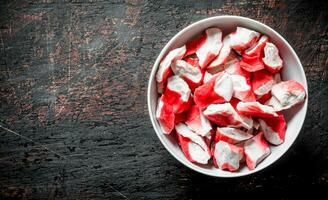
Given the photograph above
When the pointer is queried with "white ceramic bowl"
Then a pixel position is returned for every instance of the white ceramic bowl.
(292, 70)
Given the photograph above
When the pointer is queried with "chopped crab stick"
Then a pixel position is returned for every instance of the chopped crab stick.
(192, 75)
(177, 94)
(223, 55)
(272, 60)
(231, 135)
(210, 48)
(226, 115)
(243, 38)
(192, 145)
(165, 116)
(256, 149)
(274, 129)
(227, 156)
(197, 122)
(207, 76)
(256, 109)
(257, 48)
(286, 94)
(164, 70)
(262, 82)
(195, 44)
(217, 90)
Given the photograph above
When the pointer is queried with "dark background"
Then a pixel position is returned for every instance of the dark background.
(73, 80)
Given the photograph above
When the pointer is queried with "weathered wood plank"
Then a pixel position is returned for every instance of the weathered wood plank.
(74, 76)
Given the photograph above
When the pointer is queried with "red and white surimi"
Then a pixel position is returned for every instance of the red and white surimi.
(217, 90)
(252, 57)
(192, 145)
(192, 75)
(240, 81)
(262, 82)
(210, 48)
(251, 64)
(256, 149)
(229, 61)
(233, 68)
(209, 137)
(247, 121)
(195, 44)
(227, 156)
(264, 98)
(225, 115)
(207, 77)
(274, 129)
(165, 116)
(164, 70)
(242, 89)
(243, 38)
(180, 117)
(194, 61)
(231, 135)
(197, 122)
(255, 109)
(177, 94)
(272, 60)
(257, 48)
(222, 58)
(286, 94)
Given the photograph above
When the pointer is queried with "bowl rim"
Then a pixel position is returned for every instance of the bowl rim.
(163, 52)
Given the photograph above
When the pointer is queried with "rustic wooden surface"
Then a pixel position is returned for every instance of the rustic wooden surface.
(73, 85)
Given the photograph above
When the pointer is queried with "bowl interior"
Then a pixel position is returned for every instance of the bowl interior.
(292, 70)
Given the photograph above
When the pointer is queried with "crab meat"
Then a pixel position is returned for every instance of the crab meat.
(223, 56)
(262, 82)
(194, 45)
(286, 94)
(180, 117)
(240, 82)
(197, 122)
(164, 70)
(272, 60)
(233, 68)
(264, 98)
(210, 48)
(274, 129)
(256, 149)
(227, 156)
(217, 90)
(256, 109)
(247, 120)
(194, 61)
(207, 76)
(257, 48)
(226, 115)
(192, 75)
(209, 137)
(251, 63)
(243, 38)
(165, 116)
(192, 145)
(231, 135)
(242, 89)
(230, 60)
(177, 94)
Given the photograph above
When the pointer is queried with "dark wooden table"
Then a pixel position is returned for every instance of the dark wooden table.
(74, 118)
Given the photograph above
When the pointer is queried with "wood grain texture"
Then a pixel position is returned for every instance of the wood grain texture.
(73, 78)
